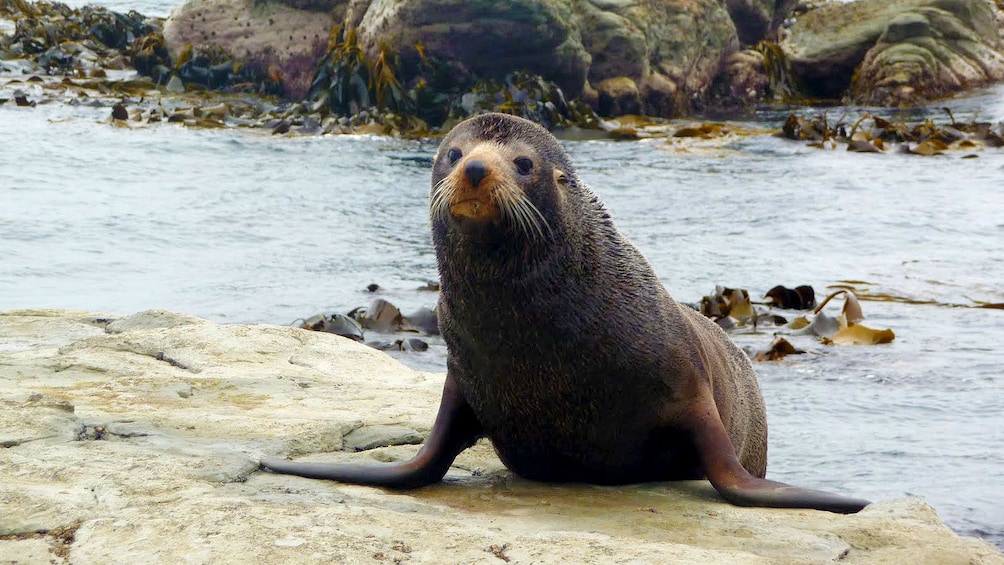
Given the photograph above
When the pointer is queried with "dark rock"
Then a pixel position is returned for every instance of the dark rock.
(799, 298)
(381, 316)
(618, 96)
(336, 324)
(424, 320)
(670, 49)
(756, 20)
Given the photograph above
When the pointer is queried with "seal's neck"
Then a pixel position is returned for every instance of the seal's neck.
(497, 256)
(490, 257)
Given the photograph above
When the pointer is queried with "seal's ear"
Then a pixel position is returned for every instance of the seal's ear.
(560, 178)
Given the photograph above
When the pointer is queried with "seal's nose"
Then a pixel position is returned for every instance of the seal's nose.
(475, 170)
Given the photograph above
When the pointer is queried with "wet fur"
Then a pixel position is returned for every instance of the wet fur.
(563, 346)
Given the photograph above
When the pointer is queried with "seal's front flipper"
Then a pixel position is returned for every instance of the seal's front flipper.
(722, 467)
(456, 428)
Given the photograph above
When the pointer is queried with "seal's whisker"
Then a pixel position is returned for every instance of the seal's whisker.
(439, 202)
(504, 203)
(535, 217)
(503, 195)
(530, 214)
(528, 220)
(517, 206)
(503, 199)
(543, 220)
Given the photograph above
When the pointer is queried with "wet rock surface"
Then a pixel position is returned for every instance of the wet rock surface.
(110, 449)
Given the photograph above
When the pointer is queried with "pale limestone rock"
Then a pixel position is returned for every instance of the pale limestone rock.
(371, 437)
(112, 454)
(49, 328)
(35, 550)
(150, 319)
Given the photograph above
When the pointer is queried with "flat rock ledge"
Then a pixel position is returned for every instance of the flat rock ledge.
(133, 440)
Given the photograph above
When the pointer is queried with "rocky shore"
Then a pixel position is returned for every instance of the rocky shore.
(418, 66)
(136, 436)
(667, 59)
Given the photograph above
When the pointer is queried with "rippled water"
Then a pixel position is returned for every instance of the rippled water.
(241, 227)
(238, 226)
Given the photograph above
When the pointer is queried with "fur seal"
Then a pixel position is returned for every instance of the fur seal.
(563, 346)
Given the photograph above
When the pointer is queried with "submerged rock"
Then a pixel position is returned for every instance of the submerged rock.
(111, 450)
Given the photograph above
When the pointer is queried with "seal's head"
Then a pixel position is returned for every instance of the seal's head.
(499, 176)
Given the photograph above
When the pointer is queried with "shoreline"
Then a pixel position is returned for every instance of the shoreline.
(83, 70)
(187, 401)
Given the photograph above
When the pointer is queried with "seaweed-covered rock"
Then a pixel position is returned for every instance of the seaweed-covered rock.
(669, 49)
(897, 52)
(62, 39)
(489, 39)
(932, 52)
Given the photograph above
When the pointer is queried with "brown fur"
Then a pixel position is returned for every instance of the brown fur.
(568, 347)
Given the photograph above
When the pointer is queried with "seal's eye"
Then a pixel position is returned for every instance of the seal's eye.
(524, 165)
(454, 155)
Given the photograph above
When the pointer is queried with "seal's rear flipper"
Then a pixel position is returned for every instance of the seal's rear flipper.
(772, 494)
(736, 485)
(456, 428)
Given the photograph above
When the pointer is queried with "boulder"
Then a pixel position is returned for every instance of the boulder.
(135, 438)
(933, 52)
(896, 52)
(487, 38)
(282, 40)
(743, 81)
(618, 96)
(670, 49)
